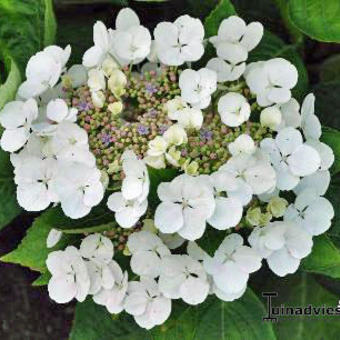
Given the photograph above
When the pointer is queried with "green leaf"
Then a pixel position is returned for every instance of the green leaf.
(273, 47)
(331, 137)
(42, 280)
(333, 195)
(237, 320)
(324, 259)
(26, 27)
(93, 322)
(319, 19)
(211, 239)
(9, 208)
(92, 229)
(50, 24)
(330, 69)
(32, 252)
(301, 290)
(9, 88)
(327, 104)
(223, 10)
(283, 6)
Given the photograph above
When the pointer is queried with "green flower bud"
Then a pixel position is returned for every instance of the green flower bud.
(253, 216)
(277, 206)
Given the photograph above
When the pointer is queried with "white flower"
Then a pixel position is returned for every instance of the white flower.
(231, 265)
(188, 118)
(157, 146)
(127, 212)
(243, 144)
(172, 241)
(53, 237)
(96, 81)
(179, 42)
(310, 123)
(185, 278)
(131, 41)
(290, 157)
(233, 109)
(233, 42)
(58, 111)
(17, 117)
(271, 80)
(290, 114)
(35, 178)
(253, 172)
(78, 194)
(69, 276)
(113, 298)
(173, 106)
(147, 250)
(97, 247)
(70, 143)
(146, 303)
(136, 182)
(271, 117)
(102, 44)
(43, 71)
(76, 76)
(101, 276)
(226, 71)
(98, 98)
(311, 212)
(187, 202)
(283, 244)
(319, 181)
(175, 135)
(198, 86)
(228, 210)
(325, 152)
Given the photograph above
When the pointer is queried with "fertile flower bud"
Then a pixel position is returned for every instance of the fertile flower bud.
(108, 66)
(157, 146)
(96, 81)
(173, 156)
(98, 98)
(104, 178)
(277, 206)
(157, 162)
(115, 108)
(253, 216)
(175, 135)
(117, 82)
(271, 117)
(190, 168)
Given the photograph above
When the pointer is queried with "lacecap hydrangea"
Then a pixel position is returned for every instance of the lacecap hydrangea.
(174, 152)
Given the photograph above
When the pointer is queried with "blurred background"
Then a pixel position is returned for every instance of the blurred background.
(26, 312)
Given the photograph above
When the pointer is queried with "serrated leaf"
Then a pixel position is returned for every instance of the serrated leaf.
(9, 207)
(9, 88)
(301, 290)
(324, 259)
(93, 322)
(237, 320)
(272, 46)
(319, 19)
(26, 26)
(32, 252)
(223, 10)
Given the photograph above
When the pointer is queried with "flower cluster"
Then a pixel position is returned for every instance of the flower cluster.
(243, 155)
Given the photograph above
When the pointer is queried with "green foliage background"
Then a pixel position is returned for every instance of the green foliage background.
(26, 26)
